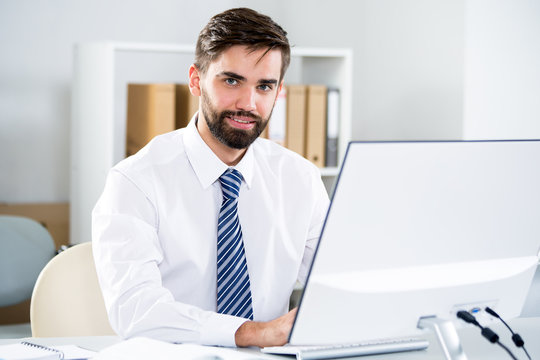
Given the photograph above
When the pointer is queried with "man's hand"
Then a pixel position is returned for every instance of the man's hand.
(262, 334)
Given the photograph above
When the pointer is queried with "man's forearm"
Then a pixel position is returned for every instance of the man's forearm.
(262, 334)
(247, 334)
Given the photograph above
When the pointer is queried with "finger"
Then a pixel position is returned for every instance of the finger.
(292, 313)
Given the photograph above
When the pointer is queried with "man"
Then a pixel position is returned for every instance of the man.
(201, 235)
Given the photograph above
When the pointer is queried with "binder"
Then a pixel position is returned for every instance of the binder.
(150, 112)
(316, 124)
(186, 105)
(264, 133)
(296, 119)
(332, 127)
(277, 124)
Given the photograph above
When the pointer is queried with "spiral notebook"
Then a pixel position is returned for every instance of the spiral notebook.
(29, 351)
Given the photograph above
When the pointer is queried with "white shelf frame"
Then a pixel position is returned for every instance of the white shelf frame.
(93, 136)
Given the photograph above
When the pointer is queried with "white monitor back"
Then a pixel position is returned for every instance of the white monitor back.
(423, 229)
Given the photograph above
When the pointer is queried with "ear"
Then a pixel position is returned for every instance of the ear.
(280, 87)
(194, 81)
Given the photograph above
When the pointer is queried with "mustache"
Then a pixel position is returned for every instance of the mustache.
(229, 113)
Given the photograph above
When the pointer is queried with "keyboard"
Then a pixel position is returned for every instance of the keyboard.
(382, 346)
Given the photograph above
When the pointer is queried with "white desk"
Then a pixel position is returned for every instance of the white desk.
(474, 345)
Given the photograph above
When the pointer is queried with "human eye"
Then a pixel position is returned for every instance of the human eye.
(265, 87)
(231, 81)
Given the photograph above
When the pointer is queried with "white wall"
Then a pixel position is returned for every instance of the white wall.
(424, 69)
(502, 82)
(37, 39)
(408, 75)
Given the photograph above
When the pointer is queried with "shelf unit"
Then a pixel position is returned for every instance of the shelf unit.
(98, 127)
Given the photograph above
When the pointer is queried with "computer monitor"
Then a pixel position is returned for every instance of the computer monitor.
(418, 229)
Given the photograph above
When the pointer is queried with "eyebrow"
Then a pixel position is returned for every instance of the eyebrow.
(239, 77)
(232, 75)
(268, 81)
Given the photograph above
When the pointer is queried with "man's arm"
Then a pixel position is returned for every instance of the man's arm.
(276, 332)
(318, 214)
(263, 334)
(127, 253)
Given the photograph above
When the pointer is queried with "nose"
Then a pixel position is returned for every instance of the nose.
(246, 99)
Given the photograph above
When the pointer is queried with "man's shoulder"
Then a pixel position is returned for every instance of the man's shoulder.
(277, 155)
(162, 149)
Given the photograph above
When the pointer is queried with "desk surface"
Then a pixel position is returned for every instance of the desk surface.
(475, 346)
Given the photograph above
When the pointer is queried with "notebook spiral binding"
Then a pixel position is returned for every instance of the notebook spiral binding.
(60, 353)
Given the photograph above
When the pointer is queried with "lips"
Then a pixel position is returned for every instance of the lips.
(241, 122)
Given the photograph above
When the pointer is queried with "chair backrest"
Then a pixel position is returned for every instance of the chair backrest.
(25, 248)
(67, 299)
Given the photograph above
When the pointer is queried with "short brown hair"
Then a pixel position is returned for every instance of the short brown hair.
(240, 26)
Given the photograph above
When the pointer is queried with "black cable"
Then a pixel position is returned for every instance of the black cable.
(507, 350)
(489, 334)
(516, 338)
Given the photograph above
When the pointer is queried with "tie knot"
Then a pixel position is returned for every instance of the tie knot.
(230, 183)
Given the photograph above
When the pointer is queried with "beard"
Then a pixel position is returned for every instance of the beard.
(226, 134)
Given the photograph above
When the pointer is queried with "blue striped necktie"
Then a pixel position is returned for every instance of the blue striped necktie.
(233, 287)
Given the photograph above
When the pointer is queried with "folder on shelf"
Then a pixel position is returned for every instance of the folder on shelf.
(332, 128)
(150, 112)
(316, 124)
(277, 126)
(186, 105)
(296, 119)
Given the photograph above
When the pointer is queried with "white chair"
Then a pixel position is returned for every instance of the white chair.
(67, 299)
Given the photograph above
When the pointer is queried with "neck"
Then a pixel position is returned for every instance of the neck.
(228, 155)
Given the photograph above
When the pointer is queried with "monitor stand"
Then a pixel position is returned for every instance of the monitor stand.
(447, 336)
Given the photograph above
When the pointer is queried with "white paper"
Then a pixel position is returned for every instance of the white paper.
(22, 351)
(74, 352)
(144, 348)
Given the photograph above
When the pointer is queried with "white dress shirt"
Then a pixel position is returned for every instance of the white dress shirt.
(155, 232)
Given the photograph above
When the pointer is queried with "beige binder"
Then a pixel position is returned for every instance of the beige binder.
(296, 119)
(316, 124)
(150, 112)
(186, 105)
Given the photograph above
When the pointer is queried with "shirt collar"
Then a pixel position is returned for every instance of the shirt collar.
(207, 166)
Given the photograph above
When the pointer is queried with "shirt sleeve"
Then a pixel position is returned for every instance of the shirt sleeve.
(127, 254)
(320, 207)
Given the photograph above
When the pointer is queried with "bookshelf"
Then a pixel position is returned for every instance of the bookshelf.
(98, 111)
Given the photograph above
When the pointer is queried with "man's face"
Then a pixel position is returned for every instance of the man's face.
(238, 93)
